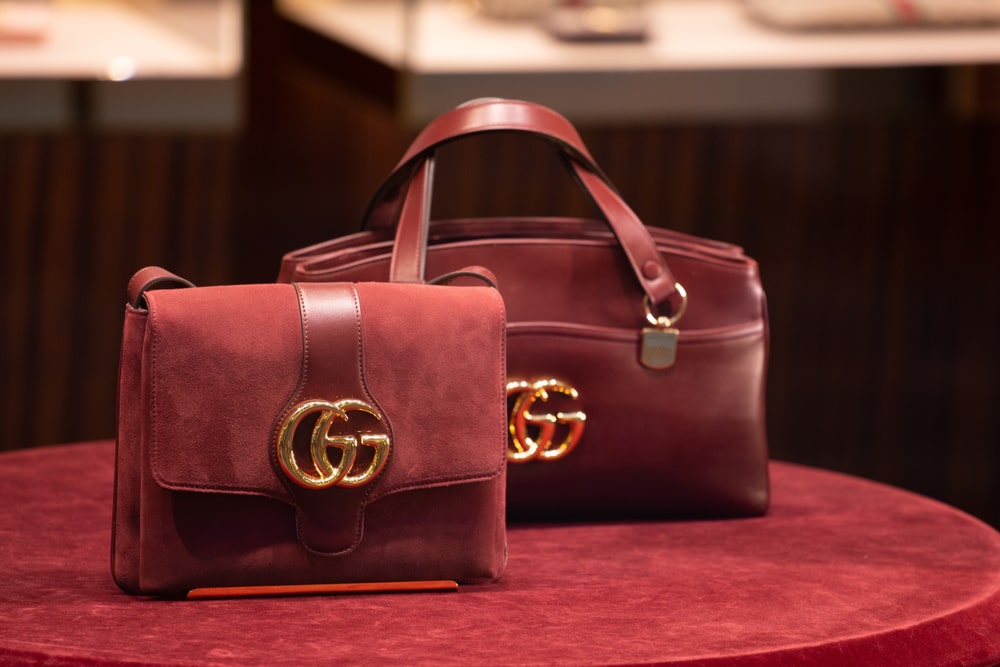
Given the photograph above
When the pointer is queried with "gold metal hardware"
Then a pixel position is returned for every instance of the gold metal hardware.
(658, 348)
(323, 437)
(532, 435)
(663, 321)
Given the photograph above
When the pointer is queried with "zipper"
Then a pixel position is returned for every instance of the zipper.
(596, 332)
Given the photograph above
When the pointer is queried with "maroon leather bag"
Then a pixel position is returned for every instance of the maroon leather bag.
(636, 355)
(312, 433)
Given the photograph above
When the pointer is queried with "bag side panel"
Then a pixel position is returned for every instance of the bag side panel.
(438, 355)
(128, 455)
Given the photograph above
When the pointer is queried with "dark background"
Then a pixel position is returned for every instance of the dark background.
(875, 229)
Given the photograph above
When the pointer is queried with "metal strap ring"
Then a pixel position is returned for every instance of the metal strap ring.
(663, 321)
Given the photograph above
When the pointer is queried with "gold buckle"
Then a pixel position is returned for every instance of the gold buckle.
(323, 436)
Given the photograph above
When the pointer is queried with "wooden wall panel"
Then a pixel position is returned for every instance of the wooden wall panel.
(79, 214)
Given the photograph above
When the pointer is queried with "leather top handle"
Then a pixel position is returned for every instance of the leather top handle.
(416, 171)
(474, 117)
(494, 114)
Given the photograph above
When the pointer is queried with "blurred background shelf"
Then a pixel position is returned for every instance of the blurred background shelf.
(702, 58)
(152, 63)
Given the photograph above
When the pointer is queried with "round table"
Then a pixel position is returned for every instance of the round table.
(842, 571)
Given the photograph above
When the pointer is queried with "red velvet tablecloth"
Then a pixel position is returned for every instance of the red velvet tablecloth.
(841, 572)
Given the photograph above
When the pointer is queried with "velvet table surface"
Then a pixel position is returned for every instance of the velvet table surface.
(842, 571)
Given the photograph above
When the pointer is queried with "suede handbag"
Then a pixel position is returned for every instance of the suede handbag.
(636, 355)
(294, 435)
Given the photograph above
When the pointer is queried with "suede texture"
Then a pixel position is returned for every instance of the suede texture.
(841, 571)
(209, 374)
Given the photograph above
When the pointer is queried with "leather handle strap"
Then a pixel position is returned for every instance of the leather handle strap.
(152, 277)
(474, 117)
(413, 220)
(409, 253)
(496, 114)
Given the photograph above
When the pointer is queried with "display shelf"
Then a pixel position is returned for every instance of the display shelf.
(701, 57)
(158, 48)
(449, 36)
(102, 39)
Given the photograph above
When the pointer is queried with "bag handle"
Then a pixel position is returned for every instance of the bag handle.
(405, 197)
(489, 114)
(492, 114)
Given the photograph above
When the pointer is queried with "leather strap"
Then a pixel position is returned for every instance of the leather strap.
(480, 273)
(411, 204)
(152, 277)
(495, 114)
(330, 520)
(410, 249)
(474, 117)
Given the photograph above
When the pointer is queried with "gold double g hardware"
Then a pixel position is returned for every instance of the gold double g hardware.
(532, 434)
(324, 436)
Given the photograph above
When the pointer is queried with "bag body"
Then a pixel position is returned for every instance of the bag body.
(636, 356)
(307, 434)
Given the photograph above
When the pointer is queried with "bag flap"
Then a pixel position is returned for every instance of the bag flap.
(414, 373)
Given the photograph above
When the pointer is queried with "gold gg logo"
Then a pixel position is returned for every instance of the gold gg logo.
(324, 437)
(532, 435)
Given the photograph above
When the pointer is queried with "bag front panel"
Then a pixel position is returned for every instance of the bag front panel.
(222, 363)
(216, 367)
(686, 441)
(192, 540)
